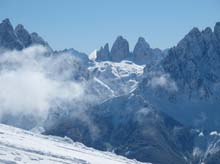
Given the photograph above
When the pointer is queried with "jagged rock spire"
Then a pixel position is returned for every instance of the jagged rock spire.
(103, 53)
(8, 38)
(19, 37)
(120, 49)
(23, 35)
(217, 30)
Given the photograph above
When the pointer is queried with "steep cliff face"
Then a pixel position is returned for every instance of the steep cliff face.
(120, 50)
(103, 54)
(186, 83)
(142, 53)
(8, 38)
(194, 63)
(19, 37)
(23, 35)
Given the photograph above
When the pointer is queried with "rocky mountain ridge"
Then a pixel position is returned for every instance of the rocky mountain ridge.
(142, 53)
(19, 37)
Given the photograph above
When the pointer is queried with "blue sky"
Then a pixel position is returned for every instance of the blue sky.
(87, 24)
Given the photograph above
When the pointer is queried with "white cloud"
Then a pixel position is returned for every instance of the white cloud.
(30, 82)
(163, 81)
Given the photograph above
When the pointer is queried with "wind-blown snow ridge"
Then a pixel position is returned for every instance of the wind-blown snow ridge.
(19, 146)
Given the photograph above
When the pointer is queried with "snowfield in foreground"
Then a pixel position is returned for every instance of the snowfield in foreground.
(19, 146)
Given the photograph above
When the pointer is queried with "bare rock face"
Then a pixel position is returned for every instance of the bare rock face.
(142, 51)
(8, 38)
(23, 35)
(19, 37)
(103, 53)
(119, 50)
(36, 39)
(217, 30)
(141, 48)
(144, 54)
(194, 62)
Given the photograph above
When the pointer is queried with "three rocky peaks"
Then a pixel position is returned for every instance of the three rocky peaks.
(142, 53)
(19, 37)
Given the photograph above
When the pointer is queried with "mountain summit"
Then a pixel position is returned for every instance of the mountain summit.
(8, 37)
(142, 53)
(120, 49)
(194, 62)
(19, 37)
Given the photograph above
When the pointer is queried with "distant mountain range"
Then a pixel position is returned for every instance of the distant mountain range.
(155, 106)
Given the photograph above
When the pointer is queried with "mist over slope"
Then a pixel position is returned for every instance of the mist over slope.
(32, 83)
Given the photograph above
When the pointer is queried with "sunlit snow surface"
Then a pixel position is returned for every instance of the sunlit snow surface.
(18, 147)
(118, 78)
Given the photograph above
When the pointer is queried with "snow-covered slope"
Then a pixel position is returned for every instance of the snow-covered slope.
(18, 146)
(117, 78)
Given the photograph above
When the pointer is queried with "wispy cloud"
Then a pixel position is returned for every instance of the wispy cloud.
(162, 80)
(31, 82)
